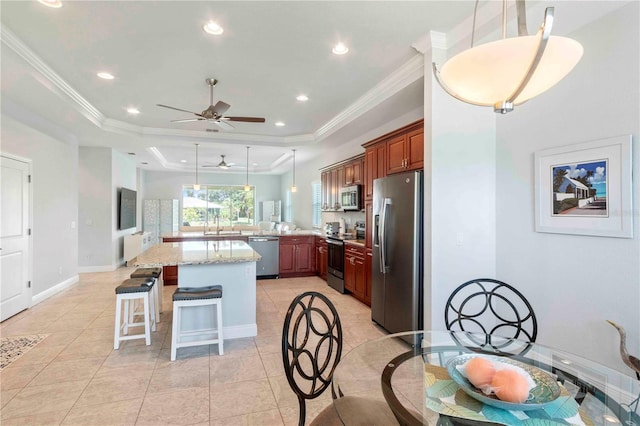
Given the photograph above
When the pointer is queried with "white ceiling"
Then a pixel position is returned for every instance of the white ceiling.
(269, 53)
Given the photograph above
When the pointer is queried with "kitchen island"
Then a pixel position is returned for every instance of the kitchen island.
(231, 264)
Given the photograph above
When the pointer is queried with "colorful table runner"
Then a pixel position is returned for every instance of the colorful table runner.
(444, 396)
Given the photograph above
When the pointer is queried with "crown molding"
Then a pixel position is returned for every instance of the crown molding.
(14, 43)
(411, 71)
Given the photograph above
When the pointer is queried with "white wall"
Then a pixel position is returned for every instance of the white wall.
(463, 194)
(55, 194)
(599, 99)
(95, 210)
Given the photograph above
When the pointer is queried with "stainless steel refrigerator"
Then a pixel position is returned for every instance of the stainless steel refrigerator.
(397, 275)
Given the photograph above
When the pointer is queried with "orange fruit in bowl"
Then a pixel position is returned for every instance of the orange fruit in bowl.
(480, 372)
(510, 386)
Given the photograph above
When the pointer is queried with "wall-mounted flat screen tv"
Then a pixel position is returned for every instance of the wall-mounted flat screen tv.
(126, 209)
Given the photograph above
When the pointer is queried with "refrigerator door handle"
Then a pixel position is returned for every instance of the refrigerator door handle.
(382, 237)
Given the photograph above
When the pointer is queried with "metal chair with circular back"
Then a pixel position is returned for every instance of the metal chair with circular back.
(493, 308)
(311, 350)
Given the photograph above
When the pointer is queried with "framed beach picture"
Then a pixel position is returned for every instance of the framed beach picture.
(585, 189)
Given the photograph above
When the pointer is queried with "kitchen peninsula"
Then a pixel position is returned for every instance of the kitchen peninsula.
(231, 264)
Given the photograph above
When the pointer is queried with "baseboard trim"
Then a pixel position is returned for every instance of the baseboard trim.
(239, 331)
(44, 295)
(102, 268)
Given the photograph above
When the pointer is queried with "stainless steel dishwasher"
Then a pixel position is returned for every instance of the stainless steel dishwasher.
(269, 249)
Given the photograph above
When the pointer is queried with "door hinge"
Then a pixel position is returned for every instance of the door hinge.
(29, 231)
(29, 284)
(29, 178)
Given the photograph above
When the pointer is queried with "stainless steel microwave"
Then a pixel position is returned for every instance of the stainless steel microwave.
(351, 197)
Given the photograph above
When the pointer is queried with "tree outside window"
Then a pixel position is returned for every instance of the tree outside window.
(212, 204)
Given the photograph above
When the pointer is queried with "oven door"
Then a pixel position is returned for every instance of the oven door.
(335, 261)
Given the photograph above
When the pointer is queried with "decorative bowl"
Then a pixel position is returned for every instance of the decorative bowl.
(545, 391)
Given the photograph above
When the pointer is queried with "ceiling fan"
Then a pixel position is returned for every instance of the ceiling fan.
(214, 112)
(222, 164)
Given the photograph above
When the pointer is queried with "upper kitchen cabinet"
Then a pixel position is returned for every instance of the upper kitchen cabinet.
(374, 167)
(398, 151)
(353, 172)
(337, 176)
(406, 152)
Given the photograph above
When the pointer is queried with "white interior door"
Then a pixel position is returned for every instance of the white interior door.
(15, 294)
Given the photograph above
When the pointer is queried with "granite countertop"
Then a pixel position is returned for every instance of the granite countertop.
(359, 243)
(200, 234)
(195, 253)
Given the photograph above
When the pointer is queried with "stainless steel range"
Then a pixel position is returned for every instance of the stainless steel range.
(335, 262)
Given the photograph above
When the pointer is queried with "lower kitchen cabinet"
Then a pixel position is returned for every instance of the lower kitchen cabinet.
(355, 271)
(170, 275)
(297, 256)
(368, 261)
(321, 257)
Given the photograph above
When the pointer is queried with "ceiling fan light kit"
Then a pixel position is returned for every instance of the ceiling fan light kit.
(222, 164)
(510, 71)
(214, 113)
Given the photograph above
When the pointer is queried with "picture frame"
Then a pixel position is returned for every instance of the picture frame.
(585, 189)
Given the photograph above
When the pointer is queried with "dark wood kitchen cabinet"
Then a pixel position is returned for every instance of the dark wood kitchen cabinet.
(368, 226)
(321, 257)
(354, 271)
(374, 167)
(337, 176)
(368, 264)
(405, 152)
(353, 172)
(297, 256)
(170, 275)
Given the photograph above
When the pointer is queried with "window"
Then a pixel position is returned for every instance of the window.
(316, 192)
(212, 205)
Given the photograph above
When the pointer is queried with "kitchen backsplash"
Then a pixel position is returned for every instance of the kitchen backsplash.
(350, 218)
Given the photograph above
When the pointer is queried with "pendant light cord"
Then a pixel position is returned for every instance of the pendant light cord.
(197, 164)
(473, 27)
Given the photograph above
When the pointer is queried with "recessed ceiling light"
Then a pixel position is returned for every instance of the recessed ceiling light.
(51, 3)
(340, 49)
(183, 161)
(133, 111)
(144, 162)
(131, 153)
(213, 28)
(106, 75)
(254, 164)
(279, 123)
(302, 98)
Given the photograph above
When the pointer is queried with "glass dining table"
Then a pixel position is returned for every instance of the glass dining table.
(416, 374)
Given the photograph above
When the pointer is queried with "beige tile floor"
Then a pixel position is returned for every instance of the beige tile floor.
(74, 377)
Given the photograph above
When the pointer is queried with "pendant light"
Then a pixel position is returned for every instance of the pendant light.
(196, 187)
(510, 71)
(246, 185)
(293, 187)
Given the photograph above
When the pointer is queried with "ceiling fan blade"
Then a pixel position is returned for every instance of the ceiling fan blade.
(246, 119)
(220, 107)
(187, 120)
(178, 109)
(224, 125)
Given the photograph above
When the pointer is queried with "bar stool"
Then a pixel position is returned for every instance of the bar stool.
(186, 297)
(157, 274)
(131, 290)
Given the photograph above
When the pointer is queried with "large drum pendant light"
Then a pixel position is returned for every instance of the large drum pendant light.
(510, 71)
